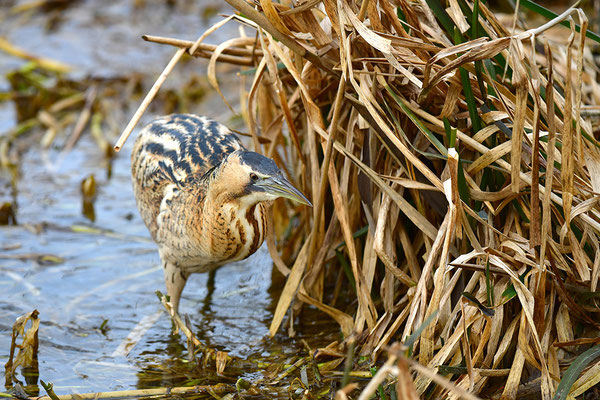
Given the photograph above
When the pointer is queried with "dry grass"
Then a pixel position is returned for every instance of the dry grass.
(423, 133)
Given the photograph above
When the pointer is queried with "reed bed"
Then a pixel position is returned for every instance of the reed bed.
(453, 164)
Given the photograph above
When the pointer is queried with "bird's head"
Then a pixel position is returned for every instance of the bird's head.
(253, 178)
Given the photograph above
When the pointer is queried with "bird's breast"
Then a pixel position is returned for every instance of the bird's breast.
(239, 233)
(202, 236)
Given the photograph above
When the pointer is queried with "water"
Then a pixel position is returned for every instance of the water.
(103, 289)
(104, 38)
(110, 277)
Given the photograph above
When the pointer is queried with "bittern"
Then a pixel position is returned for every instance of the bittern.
(202, 195)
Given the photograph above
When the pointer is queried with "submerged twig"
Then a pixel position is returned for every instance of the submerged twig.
(219, 388)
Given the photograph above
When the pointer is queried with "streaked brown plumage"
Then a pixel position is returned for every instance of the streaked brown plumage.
(202, 196)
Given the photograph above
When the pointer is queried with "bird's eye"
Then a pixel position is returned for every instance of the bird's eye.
(254, 177)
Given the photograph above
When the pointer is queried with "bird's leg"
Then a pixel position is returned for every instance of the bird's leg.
(175, 279)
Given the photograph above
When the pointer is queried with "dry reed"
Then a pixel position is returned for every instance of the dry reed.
(452, 174)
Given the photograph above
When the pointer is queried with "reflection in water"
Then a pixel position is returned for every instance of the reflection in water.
(210, 290)
(31, 375)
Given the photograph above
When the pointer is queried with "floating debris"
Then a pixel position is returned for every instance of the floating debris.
(88, 197)
(7, 214)
(27, 354)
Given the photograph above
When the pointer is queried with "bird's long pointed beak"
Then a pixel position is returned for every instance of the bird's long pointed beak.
(279, 186)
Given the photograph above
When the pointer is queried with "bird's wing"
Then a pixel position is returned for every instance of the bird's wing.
(205, 143)
(174, 152)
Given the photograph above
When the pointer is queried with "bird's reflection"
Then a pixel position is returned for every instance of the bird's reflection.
(210, 290)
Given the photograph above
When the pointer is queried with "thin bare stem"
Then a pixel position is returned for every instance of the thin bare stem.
(148, 99)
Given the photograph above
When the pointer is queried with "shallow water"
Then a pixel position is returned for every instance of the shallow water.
(103, 291)
(111, 277)
(103, 38)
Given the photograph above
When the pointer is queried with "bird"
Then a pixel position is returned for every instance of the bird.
(203, 197)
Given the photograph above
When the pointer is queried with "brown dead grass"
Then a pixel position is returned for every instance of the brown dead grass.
(442, 153)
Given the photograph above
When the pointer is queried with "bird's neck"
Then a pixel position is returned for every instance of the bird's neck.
(235, 229)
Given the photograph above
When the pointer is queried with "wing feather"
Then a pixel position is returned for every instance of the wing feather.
(174, 151)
